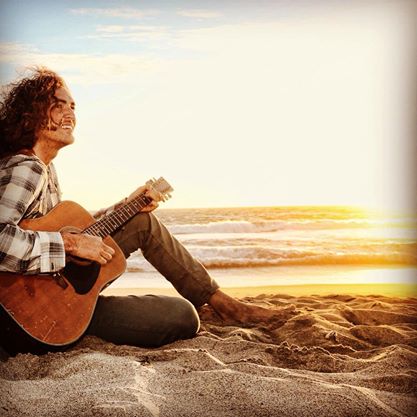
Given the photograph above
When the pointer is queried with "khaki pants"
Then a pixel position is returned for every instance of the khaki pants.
(152, 320)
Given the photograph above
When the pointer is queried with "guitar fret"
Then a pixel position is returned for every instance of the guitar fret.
(92, 230)
(107, 228)
(113, 223)
(124, 216)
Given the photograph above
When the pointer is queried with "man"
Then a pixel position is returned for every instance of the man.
(37, 120)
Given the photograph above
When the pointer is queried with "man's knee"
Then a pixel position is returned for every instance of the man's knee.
(140, 222)
(147, 321)
(185, 319)
(133, 234)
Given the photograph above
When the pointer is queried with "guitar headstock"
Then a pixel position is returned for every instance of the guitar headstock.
(162, 187)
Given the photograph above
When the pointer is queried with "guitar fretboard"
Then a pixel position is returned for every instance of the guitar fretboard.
(112, 221)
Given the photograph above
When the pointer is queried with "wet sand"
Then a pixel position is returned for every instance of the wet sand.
(341, 355)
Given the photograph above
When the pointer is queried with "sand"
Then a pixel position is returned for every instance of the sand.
(341, 355)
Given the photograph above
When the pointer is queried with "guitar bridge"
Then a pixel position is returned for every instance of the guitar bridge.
(59, 278)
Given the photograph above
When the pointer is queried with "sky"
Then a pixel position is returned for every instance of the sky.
(235, 103)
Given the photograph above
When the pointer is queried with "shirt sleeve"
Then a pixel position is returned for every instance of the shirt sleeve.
(25, 251)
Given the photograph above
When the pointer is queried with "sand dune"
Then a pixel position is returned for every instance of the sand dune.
(339, 356)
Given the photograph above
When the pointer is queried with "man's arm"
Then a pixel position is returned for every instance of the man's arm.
(25, 251)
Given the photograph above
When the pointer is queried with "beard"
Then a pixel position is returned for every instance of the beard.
(57, 135)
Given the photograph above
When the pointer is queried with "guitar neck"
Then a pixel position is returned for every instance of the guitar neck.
(112, 221)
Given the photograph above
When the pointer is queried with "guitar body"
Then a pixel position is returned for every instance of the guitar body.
(56, 309)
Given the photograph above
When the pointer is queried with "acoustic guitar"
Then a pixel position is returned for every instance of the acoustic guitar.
(55, 309)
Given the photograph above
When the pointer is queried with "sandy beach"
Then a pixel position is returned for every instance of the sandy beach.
(340, 355)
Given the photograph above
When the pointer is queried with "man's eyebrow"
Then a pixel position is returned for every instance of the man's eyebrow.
(60, 100)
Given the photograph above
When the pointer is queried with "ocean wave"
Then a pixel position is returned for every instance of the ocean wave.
(253, 256)
(274, 226)
(323, 260)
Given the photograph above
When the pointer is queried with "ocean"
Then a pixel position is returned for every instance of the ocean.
(254, 246)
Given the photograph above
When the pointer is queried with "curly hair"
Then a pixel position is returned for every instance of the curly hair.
(23, 109)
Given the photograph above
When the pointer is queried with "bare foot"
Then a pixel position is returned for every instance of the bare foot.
(231, 309)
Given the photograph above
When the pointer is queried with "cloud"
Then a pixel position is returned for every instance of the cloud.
(199, 13)
(229, 51)
(132, 13)
(8, 49)
(109, 28)
(121, 12)
(128, 28)
(78, 68)
(132, 33)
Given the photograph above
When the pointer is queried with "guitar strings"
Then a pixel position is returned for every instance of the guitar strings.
(111, 222)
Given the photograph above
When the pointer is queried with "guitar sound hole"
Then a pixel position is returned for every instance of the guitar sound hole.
(82, 277)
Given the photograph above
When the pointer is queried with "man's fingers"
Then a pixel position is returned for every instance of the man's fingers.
(102, 261)
(88, 247)
(155, 195)
(149, 192)
(104, 252)
(151, 206)
(106, 255)
(108, 249)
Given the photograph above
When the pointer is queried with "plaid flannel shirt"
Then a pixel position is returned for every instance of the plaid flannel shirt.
(28, 189)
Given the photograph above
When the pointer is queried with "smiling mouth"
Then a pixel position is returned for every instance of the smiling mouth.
(67, 125)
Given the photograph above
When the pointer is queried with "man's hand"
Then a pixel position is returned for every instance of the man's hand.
(149, 192)
(87, 247)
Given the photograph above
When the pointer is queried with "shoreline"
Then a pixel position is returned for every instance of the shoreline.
(390, 290)
(286, 277)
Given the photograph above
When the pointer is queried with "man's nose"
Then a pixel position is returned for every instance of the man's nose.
(70, 113)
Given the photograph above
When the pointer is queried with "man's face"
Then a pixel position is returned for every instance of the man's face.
(61, 118)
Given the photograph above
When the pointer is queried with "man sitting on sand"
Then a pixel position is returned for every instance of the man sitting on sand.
(37, 120)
